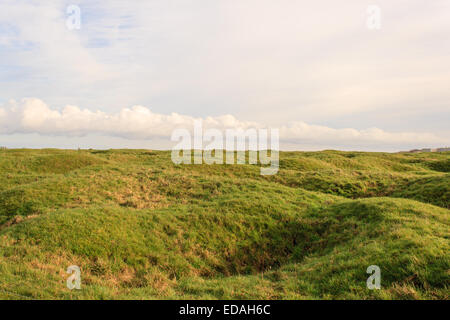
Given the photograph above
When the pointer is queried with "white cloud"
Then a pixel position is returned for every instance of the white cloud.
(282, 58)
(261, 60)
(321, 135)
(33, 116)
(51, 48)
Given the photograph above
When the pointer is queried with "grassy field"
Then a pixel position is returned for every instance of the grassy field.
(140, 227)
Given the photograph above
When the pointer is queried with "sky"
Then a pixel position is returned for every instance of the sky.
(135, 71)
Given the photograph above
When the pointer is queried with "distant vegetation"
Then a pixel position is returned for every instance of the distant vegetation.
(141, 227)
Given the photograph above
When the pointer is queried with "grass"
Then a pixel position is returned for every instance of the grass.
(140, 227)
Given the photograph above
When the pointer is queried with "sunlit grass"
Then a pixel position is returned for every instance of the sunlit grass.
(141, 227)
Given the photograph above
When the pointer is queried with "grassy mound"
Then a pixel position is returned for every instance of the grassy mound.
(141, 227)
(434, 190)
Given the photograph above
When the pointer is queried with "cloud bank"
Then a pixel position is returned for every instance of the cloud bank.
(34, 116)
(262, 60)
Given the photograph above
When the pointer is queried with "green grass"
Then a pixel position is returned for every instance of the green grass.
(141, 227)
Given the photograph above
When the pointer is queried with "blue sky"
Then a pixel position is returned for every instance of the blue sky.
(312, 69)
